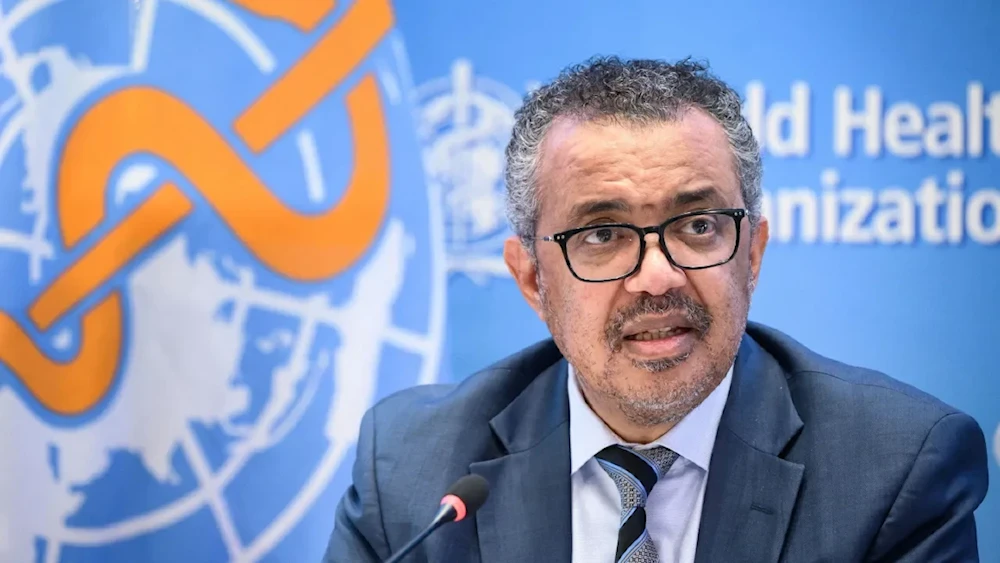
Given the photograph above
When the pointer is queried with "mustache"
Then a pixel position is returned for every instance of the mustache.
(695, 314)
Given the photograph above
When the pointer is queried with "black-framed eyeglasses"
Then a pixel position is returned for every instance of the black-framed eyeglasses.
(692, 241)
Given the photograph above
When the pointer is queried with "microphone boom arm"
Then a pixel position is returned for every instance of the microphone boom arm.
(445, 515)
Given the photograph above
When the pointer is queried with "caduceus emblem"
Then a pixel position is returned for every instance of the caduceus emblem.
(464, 125)
(194, 300)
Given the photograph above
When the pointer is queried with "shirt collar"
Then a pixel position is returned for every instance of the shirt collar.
(692, 438)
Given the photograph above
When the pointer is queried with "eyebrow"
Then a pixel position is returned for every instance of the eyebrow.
(708, 195)
(585, 209)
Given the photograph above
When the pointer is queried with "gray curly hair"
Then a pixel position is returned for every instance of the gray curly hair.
(640, 91)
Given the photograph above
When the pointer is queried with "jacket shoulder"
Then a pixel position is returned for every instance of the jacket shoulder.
(884, 458)
(468, 405)
(811, 371)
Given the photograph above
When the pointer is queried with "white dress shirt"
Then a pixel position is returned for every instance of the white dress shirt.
(673, 510)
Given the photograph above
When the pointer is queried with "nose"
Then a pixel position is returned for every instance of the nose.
(656, 275)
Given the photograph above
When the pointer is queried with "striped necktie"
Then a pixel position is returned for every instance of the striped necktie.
(635, 472)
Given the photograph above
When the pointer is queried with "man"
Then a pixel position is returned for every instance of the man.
(658, 424)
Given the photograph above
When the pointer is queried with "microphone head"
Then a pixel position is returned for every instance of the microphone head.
(467, 495)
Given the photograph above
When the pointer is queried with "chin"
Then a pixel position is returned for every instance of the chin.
(664, 401)
(661, 376)
(660, 365)
(680, 380)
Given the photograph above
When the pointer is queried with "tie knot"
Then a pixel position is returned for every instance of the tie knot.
(635, 471)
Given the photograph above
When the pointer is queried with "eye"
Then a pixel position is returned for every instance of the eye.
(601, 236)
(699, 226)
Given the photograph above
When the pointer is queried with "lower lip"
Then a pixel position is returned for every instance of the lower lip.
(668, 347)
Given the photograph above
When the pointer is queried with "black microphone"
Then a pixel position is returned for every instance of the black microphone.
(463, 499)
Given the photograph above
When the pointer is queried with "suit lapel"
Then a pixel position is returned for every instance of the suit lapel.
(751, 490)
(527, 516)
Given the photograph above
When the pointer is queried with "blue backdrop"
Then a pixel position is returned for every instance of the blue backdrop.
(228, 227)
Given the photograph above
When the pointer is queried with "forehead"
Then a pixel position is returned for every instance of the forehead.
(650, 166)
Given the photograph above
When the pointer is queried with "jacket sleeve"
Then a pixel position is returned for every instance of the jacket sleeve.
(932, 516)
(358, 535)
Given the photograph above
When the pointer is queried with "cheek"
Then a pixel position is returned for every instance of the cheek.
(579, 313)
(724, 295)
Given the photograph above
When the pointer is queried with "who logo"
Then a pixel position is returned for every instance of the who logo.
(464, 124)
(216, 246)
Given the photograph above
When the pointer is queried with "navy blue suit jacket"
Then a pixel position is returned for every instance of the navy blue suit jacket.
(814, 461)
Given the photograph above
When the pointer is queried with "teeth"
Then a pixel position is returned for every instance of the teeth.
(658, 334)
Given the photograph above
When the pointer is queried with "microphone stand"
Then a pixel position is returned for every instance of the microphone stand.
(446, 514)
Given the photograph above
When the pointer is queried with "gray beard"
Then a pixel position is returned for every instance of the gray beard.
(649, 412)
(661, 364)
(641, 409)
(644, 410)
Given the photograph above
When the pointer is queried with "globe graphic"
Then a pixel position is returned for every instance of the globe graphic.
(240, 391)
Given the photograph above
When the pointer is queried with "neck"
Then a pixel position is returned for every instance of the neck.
(634, 433)
(628, 430)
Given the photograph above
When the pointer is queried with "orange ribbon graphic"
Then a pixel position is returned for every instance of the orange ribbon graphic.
(302, 14)
(76, 386)
(304, 247)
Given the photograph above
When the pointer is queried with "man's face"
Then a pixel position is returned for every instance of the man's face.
(614, 332)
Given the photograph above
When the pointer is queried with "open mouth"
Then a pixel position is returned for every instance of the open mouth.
(658, 334)
(659, 338)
